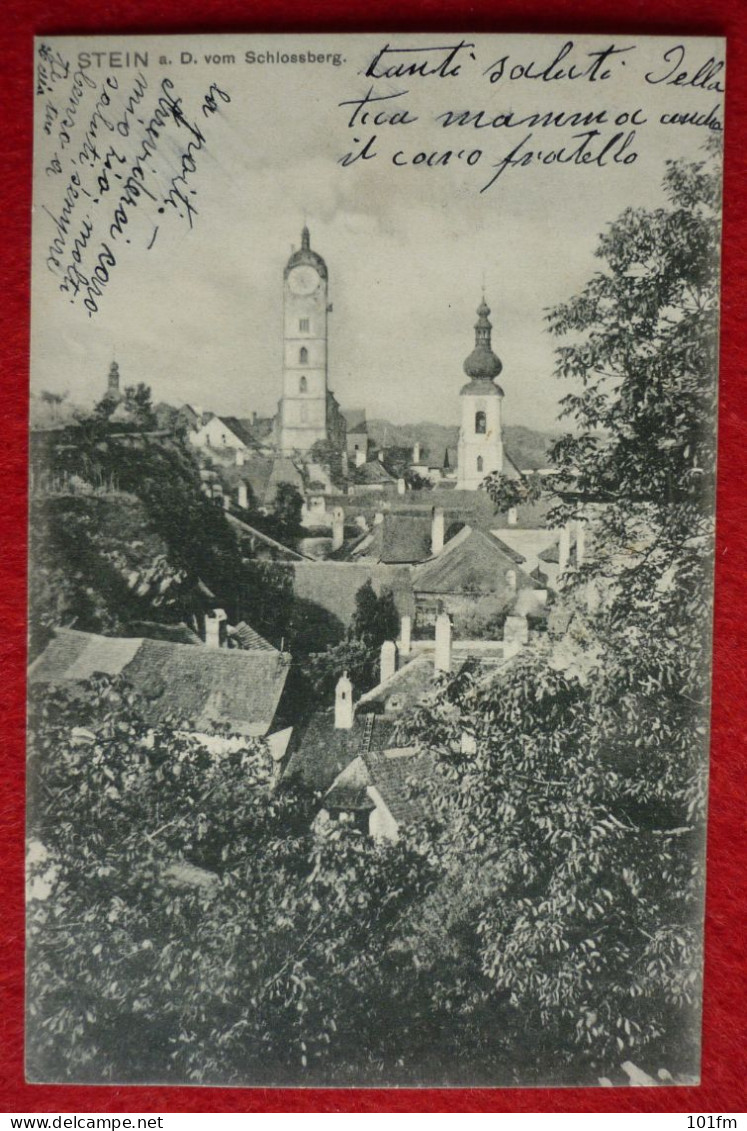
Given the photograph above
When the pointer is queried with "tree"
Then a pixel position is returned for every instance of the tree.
(286, 510)
(506, 492)
(138, 404)
(583, 789)
(415, 481)
(193, 927)
(375, 618)
(329, 456)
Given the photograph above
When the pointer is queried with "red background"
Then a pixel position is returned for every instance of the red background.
(724, 1030)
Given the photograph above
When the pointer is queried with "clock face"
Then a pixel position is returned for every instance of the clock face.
(303, 280)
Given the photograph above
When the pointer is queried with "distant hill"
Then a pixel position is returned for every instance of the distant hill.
(527, 448)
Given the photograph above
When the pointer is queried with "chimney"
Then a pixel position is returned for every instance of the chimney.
(516, 630)
(338, 528)
(344, 710)
(443, 643)
(564, 548)
(388, 660)
(437, 531)
(513, 516)
(580, 541)
(226, 501)
(381, 455)
(243, 495)
(359, 458)
(401, 486)
(378, 518)
(405, 635)
(240, 457)
(215, 628)
(416, 452)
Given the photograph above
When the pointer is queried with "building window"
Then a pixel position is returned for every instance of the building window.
(479, 463)
(303, 325)
(303, 385)
(480, 424)
(303, 356)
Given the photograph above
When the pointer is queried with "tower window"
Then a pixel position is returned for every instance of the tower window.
(479, 463)
(480, 424)
(303, 325)
(303, 356)
(303, 385)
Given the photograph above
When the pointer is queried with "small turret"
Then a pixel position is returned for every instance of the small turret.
(112, 383)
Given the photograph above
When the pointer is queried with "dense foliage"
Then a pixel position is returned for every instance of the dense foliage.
(543, 924)
(250, 965)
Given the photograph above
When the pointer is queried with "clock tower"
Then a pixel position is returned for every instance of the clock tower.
(303, 408)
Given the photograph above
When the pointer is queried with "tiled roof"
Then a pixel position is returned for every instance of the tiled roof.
(472, 562)
(235, 426)
(398, 539)
(255, 472)
(333, 585)
(259, 428)
(263, 474)
(403, 689)
(349, 790)
(372, 472)
(322, 752)
(175, 633)
(196, 687)
(247, 638)
(399, 775)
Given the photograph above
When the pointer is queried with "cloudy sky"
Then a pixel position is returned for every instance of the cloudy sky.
(198, 316)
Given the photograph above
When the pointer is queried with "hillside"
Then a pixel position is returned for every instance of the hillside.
(526, 447)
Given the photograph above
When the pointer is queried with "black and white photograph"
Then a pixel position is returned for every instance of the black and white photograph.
(372, 473)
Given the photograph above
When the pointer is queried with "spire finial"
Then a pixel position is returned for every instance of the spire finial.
(305, 238)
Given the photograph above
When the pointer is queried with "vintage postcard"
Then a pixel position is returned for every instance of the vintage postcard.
(373, 402)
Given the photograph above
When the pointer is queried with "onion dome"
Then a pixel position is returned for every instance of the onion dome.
(483, 366)
(305, 255)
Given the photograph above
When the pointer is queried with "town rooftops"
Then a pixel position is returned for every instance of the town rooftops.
(322, 751)
(472, 562)
(372, 473)
(397, 775)
(239, 430)
(398, 538)
(200, 688)
(246, 638)
(403, 689)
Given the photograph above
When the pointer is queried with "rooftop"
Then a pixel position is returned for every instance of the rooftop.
(202, 688)
(397, 774)
(322, 751)
(399, 538)
(472, 562)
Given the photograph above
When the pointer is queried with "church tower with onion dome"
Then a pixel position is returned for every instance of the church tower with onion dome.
(480, 435)
(304, 408)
